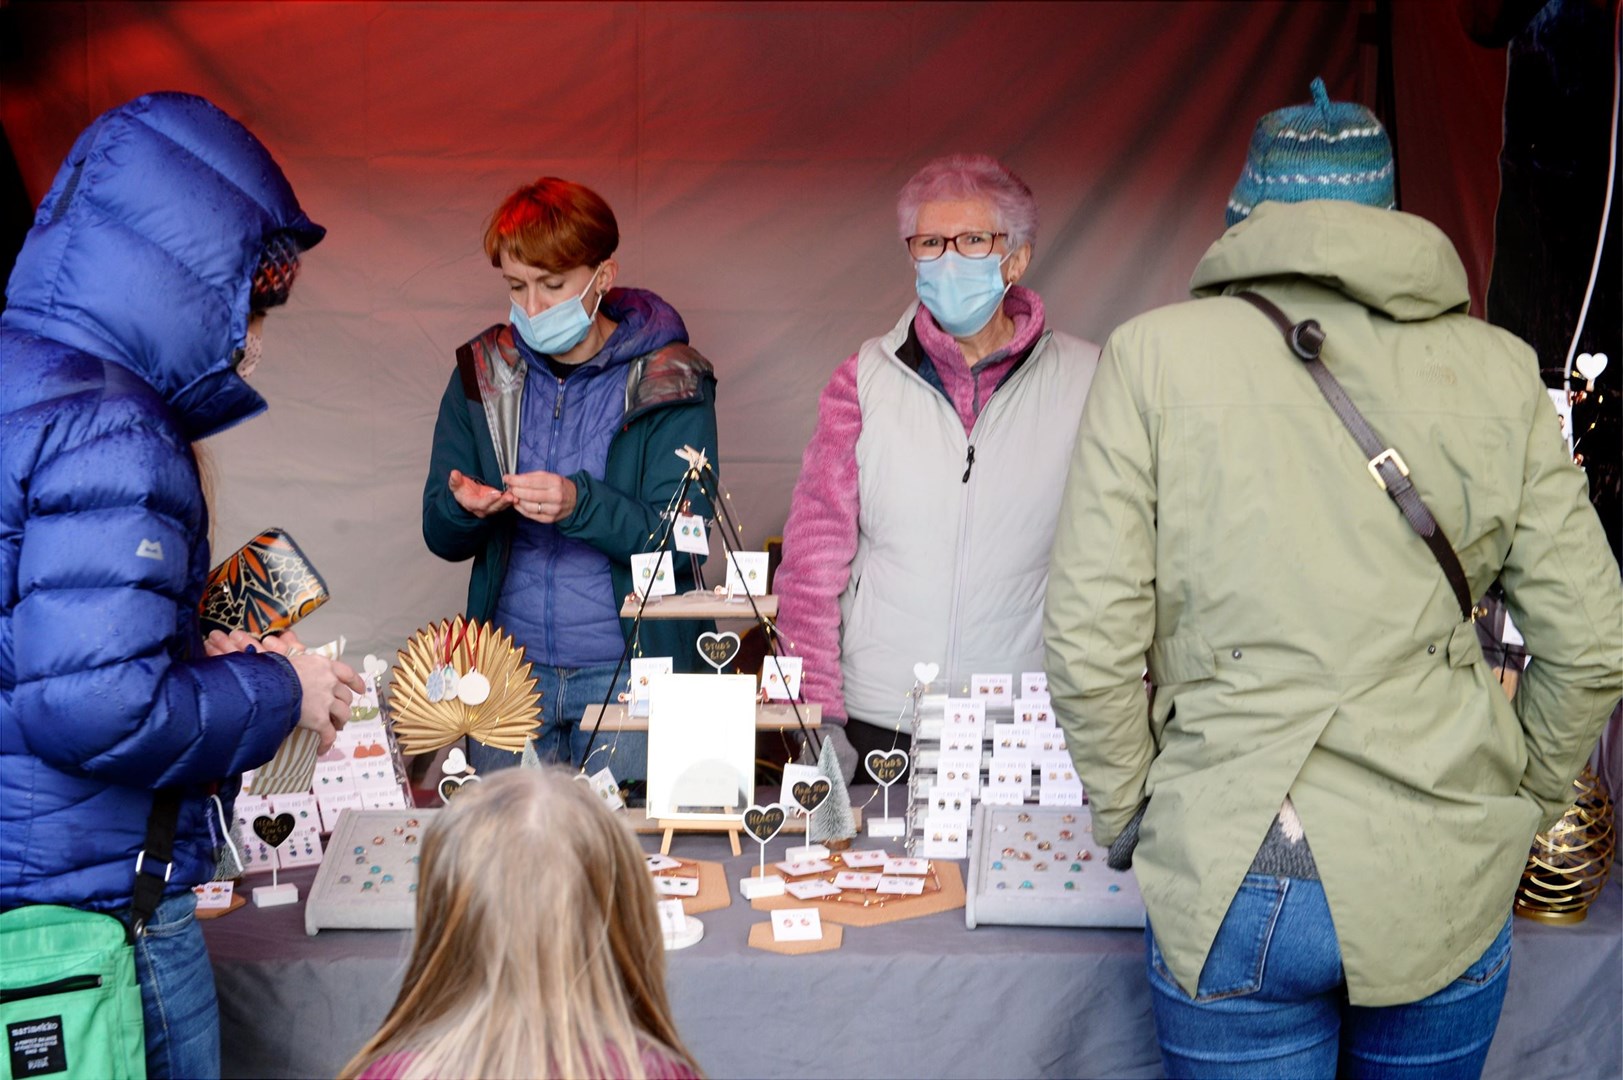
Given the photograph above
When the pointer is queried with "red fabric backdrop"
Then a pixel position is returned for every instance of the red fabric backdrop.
(752, 153)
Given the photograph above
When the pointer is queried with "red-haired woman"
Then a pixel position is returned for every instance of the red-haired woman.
(555, 455)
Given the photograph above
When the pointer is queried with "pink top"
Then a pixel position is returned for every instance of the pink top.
(820, 537)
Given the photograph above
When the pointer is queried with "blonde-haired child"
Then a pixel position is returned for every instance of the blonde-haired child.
(538, 951)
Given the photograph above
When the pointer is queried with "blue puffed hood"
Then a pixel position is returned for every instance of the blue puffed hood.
(144, 249)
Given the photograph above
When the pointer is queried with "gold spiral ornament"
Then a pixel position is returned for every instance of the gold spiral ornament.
(504, 720)
(1568, 865)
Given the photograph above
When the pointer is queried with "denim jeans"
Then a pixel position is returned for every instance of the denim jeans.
(1272, 1001)
(177, 993)
(566, 693)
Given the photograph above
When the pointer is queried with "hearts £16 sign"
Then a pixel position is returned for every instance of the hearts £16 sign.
(763, 822)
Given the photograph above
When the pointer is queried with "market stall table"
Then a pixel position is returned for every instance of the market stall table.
(923, 997)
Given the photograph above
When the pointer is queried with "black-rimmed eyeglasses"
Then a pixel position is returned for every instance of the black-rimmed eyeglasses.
(971, 245)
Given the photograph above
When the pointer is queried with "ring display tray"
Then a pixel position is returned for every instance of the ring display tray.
(1074, 888)
(368, 878)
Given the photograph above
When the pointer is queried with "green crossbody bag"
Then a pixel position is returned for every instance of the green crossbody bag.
(70, 1005)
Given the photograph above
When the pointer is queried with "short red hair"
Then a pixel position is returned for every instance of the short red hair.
(554, 224)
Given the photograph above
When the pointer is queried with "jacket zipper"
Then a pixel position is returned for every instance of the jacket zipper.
(965, 509)
(552, 553)
(61, 986)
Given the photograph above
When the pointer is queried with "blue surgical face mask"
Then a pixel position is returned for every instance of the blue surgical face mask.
(560, 327)
(963, 294)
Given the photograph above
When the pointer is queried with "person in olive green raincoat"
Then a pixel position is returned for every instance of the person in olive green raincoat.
(1220, 525)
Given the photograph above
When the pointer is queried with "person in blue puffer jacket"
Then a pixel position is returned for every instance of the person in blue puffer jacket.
(133, 315)
(590, 390)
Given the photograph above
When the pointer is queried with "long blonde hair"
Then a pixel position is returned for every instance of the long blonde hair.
(538, 951)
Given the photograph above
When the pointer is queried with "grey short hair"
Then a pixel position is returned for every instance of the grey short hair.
(971, 176)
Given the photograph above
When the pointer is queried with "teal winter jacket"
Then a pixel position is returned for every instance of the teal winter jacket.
(670, 403)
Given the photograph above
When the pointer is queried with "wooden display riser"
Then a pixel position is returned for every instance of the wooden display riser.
(642, 824)
(897, 908)
(700, 605)
(773, 717)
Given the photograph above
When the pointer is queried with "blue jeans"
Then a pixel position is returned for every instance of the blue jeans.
(1272, 1001)
(566, 693)
(177, 993)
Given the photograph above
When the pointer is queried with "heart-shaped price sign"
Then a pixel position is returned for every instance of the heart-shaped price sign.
(273, 830)
(718, 650)
(763, 822)
(810, 796)
(926, 673)
(886, 767)
(452, 786)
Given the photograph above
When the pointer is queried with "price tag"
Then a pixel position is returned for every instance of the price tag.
(213, 895)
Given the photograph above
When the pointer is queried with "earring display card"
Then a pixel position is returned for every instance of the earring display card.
(368, 881)
(746, 573)
(1039, 866)
(651, 574)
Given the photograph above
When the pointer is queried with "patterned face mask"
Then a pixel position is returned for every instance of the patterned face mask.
(252, 349)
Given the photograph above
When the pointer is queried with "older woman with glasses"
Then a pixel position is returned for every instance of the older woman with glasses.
(920, 527)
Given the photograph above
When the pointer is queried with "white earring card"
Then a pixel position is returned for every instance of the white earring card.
(746, 573)
(652, 576)
(701, 746)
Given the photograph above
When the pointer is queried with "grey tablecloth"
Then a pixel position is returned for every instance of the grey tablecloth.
(925, 997)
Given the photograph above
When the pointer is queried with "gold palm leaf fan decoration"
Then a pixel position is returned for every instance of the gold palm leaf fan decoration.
(426, 719)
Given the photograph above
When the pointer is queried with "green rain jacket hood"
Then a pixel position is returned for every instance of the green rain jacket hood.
(1220, 525)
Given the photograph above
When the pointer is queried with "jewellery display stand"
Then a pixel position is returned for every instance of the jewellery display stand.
(368, 880)
(1039, 866)
(700, 604)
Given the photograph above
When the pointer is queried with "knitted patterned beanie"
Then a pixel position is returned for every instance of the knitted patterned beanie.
(1326, 150)
(273, 278)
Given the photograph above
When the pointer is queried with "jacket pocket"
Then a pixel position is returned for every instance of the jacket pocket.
(1183, 657)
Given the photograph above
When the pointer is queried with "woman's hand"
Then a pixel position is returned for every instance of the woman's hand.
(326, 684)
(542, 496)
(480, 500)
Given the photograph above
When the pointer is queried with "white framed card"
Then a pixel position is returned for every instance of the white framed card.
(1034, 684)
(746, 573)
(701, 746)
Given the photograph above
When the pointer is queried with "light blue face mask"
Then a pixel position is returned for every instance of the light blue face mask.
(560, 327)
(963, 294)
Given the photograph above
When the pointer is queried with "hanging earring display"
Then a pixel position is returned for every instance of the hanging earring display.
(500, 707)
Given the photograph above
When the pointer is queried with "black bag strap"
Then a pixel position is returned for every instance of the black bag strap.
(1306, 340)
(157, 851)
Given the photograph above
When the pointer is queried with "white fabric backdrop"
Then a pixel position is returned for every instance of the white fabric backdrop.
(751, 152)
